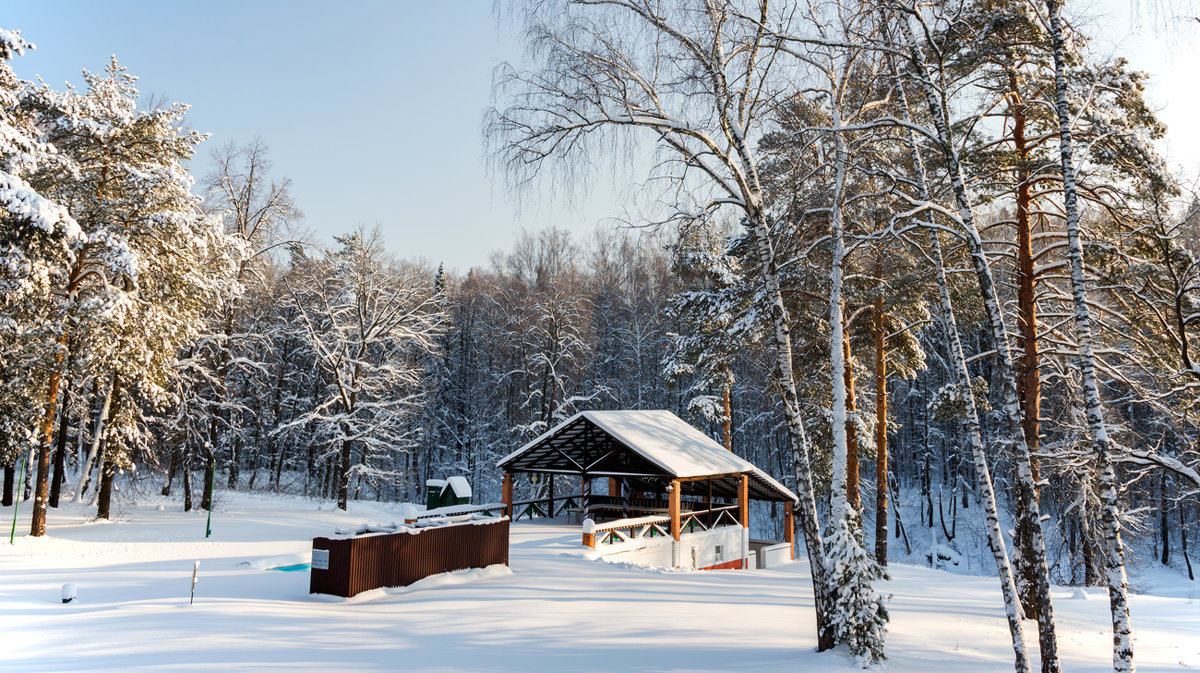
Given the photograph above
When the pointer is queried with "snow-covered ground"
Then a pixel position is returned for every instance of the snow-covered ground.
(553, 612)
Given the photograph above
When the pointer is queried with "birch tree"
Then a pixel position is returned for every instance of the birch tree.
(1110, 513)
(256, 210)
(935, 103)
(699, 81)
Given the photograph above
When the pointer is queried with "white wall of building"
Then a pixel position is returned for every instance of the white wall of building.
(701, 549)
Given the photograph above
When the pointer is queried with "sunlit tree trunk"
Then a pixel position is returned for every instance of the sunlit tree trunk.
(1027, 514)
(1110, 524)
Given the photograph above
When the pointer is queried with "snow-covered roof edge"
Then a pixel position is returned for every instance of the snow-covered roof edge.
(741, 465)
(462, 488)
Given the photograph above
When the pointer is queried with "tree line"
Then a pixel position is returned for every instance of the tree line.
(965, 173)
(909, 259)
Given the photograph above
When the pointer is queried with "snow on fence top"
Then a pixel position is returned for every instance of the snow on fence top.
(440, 520)
(666, 445)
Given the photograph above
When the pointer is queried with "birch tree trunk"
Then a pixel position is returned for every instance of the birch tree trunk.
(1110, 524)
(987, 493)
(86, 474)
(806, 509)
(1027, 515)
(838, 500)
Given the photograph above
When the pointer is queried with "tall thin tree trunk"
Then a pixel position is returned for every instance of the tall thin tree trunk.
(187, 478)
(1183, 543)
(98, 433)
(1029, 384)
(853, 494)
(235, 461)
(108, 468)
(995, 535)
(28, 487)
(37, 527)
(107, 472)
(10, 478)
(1027, 514)
(1110, 524)
(1028, 376)
(172, 468)
(343, 474)
(210, 477)
(881, 416)
(784, 378)
(1164, 523)
(60, 450)
(727, 419)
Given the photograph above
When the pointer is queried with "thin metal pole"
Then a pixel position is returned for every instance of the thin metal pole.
(195, 569)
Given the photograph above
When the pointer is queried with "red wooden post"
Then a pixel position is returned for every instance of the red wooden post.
(744, 501)
(789, 527)
(744, 516)
(589, 534)
(674, 498)
(506, 494)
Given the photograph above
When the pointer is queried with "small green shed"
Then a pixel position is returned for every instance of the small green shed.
(457, 492)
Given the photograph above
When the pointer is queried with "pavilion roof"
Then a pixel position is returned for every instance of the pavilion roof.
(640, 445)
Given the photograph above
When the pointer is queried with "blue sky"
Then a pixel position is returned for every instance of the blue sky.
(374, 109)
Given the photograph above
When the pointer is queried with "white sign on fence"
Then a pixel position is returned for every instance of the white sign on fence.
(320, 559)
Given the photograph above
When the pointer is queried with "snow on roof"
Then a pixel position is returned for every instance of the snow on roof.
(667, 441)
(440, 483)
(460, 485)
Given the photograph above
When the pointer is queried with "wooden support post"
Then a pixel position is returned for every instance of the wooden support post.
(589, 534)
(586, 496)
(709, 504)
(506, 494)
(744, 501)
(550, 512)
(744, 517)
(789, 527)
(674, 498)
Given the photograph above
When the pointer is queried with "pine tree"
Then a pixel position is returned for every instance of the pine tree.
(152, 262)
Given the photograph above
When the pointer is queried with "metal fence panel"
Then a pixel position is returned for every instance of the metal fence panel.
(368, 562)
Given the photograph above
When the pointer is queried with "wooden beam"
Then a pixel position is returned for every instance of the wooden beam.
(674, 498)
(708, 504)
(789, 527)
(506, 494)
(744, 501)
(708, 477)
(586, 499)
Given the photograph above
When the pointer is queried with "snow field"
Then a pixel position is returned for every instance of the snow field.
(554, 612)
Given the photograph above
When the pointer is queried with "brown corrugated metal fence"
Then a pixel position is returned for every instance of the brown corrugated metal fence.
(359, 564)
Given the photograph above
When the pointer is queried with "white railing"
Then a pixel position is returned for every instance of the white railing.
(637, 529)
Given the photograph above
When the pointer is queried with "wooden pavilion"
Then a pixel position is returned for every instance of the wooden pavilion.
(672, 490)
